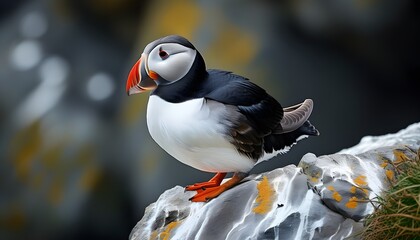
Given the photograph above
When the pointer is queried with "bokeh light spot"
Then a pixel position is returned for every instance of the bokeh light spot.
(54, 71)
(26, 55)
(100, 86)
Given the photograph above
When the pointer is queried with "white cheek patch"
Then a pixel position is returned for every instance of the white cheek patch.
(176, 66)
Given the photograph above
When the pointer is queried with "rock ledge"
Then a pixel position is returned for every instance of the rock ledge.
(323, 197)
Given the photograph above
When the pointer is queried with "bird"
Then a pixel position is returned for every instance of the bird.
(212, 120)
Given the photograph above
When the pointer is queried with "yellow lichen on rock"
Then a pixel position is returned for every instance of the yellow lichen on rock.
(337, 197)
(389, 174)
(360, 180)
(165, 235)
(400, 157)
(314, 179)
(384, 164)
(265, 197)
(361, 184)
(352, 203)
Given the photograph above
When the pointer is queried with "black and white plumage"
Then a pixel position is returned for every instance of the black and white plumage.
(212, 120)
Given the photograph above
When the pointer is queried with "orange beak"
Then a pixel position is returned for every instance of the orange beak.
(138, 80)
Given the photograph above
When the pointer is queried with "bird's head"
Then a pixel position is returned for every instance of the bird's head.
(163, 61)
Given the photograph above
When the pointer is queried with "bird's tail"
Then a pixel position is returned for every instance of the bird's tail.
(307, 129)
(278, 142)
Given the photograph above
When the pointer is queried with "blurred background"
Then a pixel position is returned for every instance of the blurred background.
(76, 160)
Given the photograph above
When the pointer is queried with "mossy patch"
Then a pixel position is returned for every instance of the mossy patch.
(398, 214)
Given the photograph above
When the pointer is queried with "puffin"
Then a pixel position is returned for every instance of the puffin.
(212, 120)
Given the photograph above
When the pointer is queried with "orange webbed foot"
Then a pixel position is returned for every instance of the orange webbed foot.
(205, 195)
(214, 182)
(208, 194)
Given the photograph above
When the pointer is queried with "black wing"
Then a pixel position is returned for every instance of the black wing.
(260, 114)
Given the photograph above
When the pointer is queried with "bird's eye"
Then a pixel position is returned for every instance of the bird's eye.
(163, 54)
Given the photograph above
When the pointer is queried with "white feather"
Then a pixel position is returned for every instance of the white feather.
(192, 133)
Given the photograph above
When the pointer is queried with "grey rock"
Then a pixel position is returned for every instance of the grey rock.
(324, 197)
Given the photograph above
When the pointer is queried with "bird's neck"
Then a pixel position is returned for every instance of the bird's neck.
(187, 88)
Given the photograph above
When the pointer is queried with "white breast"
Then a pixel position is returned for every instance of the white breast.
(192, 133)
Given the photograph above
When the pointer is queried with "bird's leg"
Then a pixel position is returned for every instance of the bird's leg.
(213, 182)
(210, 193)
